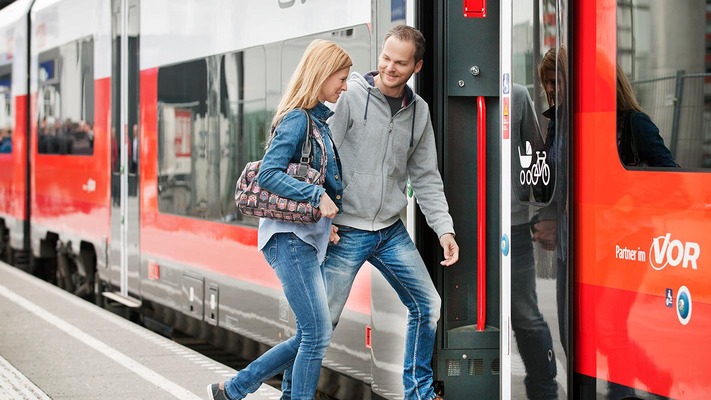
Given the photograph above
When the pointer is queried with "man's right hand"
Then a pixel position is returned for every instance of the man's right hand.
(334, 238)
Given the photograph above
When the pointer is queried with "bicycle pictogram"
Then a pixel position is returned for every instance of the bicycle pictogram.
(538, 170)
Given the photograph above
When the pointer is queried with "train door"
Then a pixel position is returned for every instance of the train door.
(124, 256)
(461, 84)
(535, 87)
(503, 329)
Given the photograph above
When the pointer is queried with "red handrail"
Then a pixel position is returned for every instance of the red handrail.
(481, 215)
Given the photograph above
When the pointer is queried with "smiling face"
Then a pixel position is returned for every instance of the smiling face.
(334, 85)
(395, 66)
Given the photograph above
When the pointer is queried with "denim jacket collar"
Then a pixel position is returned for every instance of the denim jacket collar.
(322, 112)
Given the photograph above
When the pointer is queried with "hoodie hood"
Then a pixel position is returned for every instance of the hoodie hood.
(368, 82)
(380, 152)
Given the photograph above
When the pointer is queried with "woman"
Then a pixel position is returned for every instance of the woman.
(296, 251)
(550, 225)
(648, 147)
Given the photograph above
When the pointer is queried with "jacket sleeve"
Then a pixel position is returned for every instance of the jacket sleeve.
(287, 141)
(651, 145)
(427, 182)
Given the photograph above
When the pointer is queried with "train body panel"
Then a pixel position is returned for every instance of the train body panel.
(185, 30)
(70, 118)
(13, 121)
(204, 78)
(642, 244)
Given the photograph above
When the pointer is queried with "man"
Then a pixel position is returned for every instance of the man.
(384, 136)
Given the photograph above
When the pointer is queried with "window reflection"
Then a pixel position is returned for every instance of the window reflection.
(6, 111)
(213, 117)
(540, 292)
(662, 50)
(65, 101)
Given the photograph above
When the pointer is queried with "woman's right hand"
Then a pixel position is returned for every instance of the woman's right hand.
(327, 207)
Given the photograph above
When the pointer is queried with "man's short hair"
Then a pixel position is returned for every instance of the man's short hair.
(407, 33)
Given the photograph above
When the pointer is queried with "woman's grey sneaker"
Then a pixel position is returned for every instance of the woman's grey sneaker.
(215, 393)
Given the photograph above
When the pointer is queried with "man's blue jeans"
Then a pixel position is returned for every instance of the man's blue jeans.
(393, 253)
(297, 267)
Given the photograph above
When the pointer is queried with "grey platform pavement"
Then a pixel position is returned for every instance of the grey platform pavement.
(54, 345)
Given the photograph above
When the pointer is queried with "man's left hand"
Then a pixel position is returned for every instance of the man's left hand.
(451, 249)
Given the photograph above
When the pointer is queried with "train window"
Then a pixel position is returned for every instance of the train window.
(663, 85)
(182, 104)
(213, 117)
(212, 120)
(6, 110)
(245, 114)
(65, 100)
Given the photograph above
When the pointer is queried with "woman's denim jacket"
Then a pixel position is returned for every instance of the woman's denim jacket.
(286, 148)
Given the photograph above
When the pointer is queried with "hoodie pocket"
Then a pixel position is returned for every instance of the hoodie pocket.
(362, 195)
(394, 199)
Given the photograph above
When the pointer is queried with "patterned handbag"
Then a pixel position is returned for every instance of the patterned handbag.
(255, 201)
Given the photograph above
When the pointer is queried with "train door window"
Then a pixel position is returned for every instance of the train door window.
(65, 100)
(182, 112)
(540, 132)
(664, 85)
(6, 110)
(245, 122)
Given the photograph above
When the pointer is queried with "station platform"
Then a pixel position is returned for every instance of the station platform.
(54, 345)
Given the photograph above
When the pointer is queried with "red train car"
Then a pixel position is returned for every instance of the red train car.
(139, 116)
(14, 193)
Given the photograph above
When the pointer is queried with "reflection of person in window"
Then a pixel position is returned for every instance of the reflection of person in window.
(533, 336)
(134, 150)
(5, 141)
(633, 122)
(550, 225)
(82, 141)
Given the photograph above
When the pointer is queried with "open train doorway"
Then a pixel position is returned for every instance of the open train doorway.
(504, 329)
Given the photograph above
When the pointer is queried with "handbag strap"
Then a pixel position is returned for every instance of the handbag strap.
(306, 150)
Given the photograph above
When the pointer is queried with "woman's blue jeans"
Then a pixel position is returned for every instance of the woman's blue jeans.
(393, 253)
(297, 267)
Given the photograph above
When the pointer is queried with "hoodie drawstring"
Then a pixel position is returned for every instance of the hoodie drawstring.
(412, 130)
(367, 101)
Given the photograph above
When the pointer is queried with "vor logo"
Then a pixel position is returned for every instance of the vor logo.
(665, 251)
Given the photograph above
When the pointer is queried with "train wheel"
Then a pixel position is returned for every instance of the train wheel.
(44, 268)
(6, 253)
(21, 260)
(65, 272)
(5, 249)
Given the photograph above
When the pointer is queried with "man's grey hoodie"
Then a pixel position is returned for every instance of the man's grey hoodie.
(379, 152)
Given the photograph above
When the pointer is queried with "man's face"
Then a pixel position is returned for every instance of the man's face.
(397, 63)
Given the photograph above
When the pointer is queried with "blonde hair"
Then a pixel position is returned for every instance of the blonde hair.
(626, 100)
(321, 59)
(553, 61)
